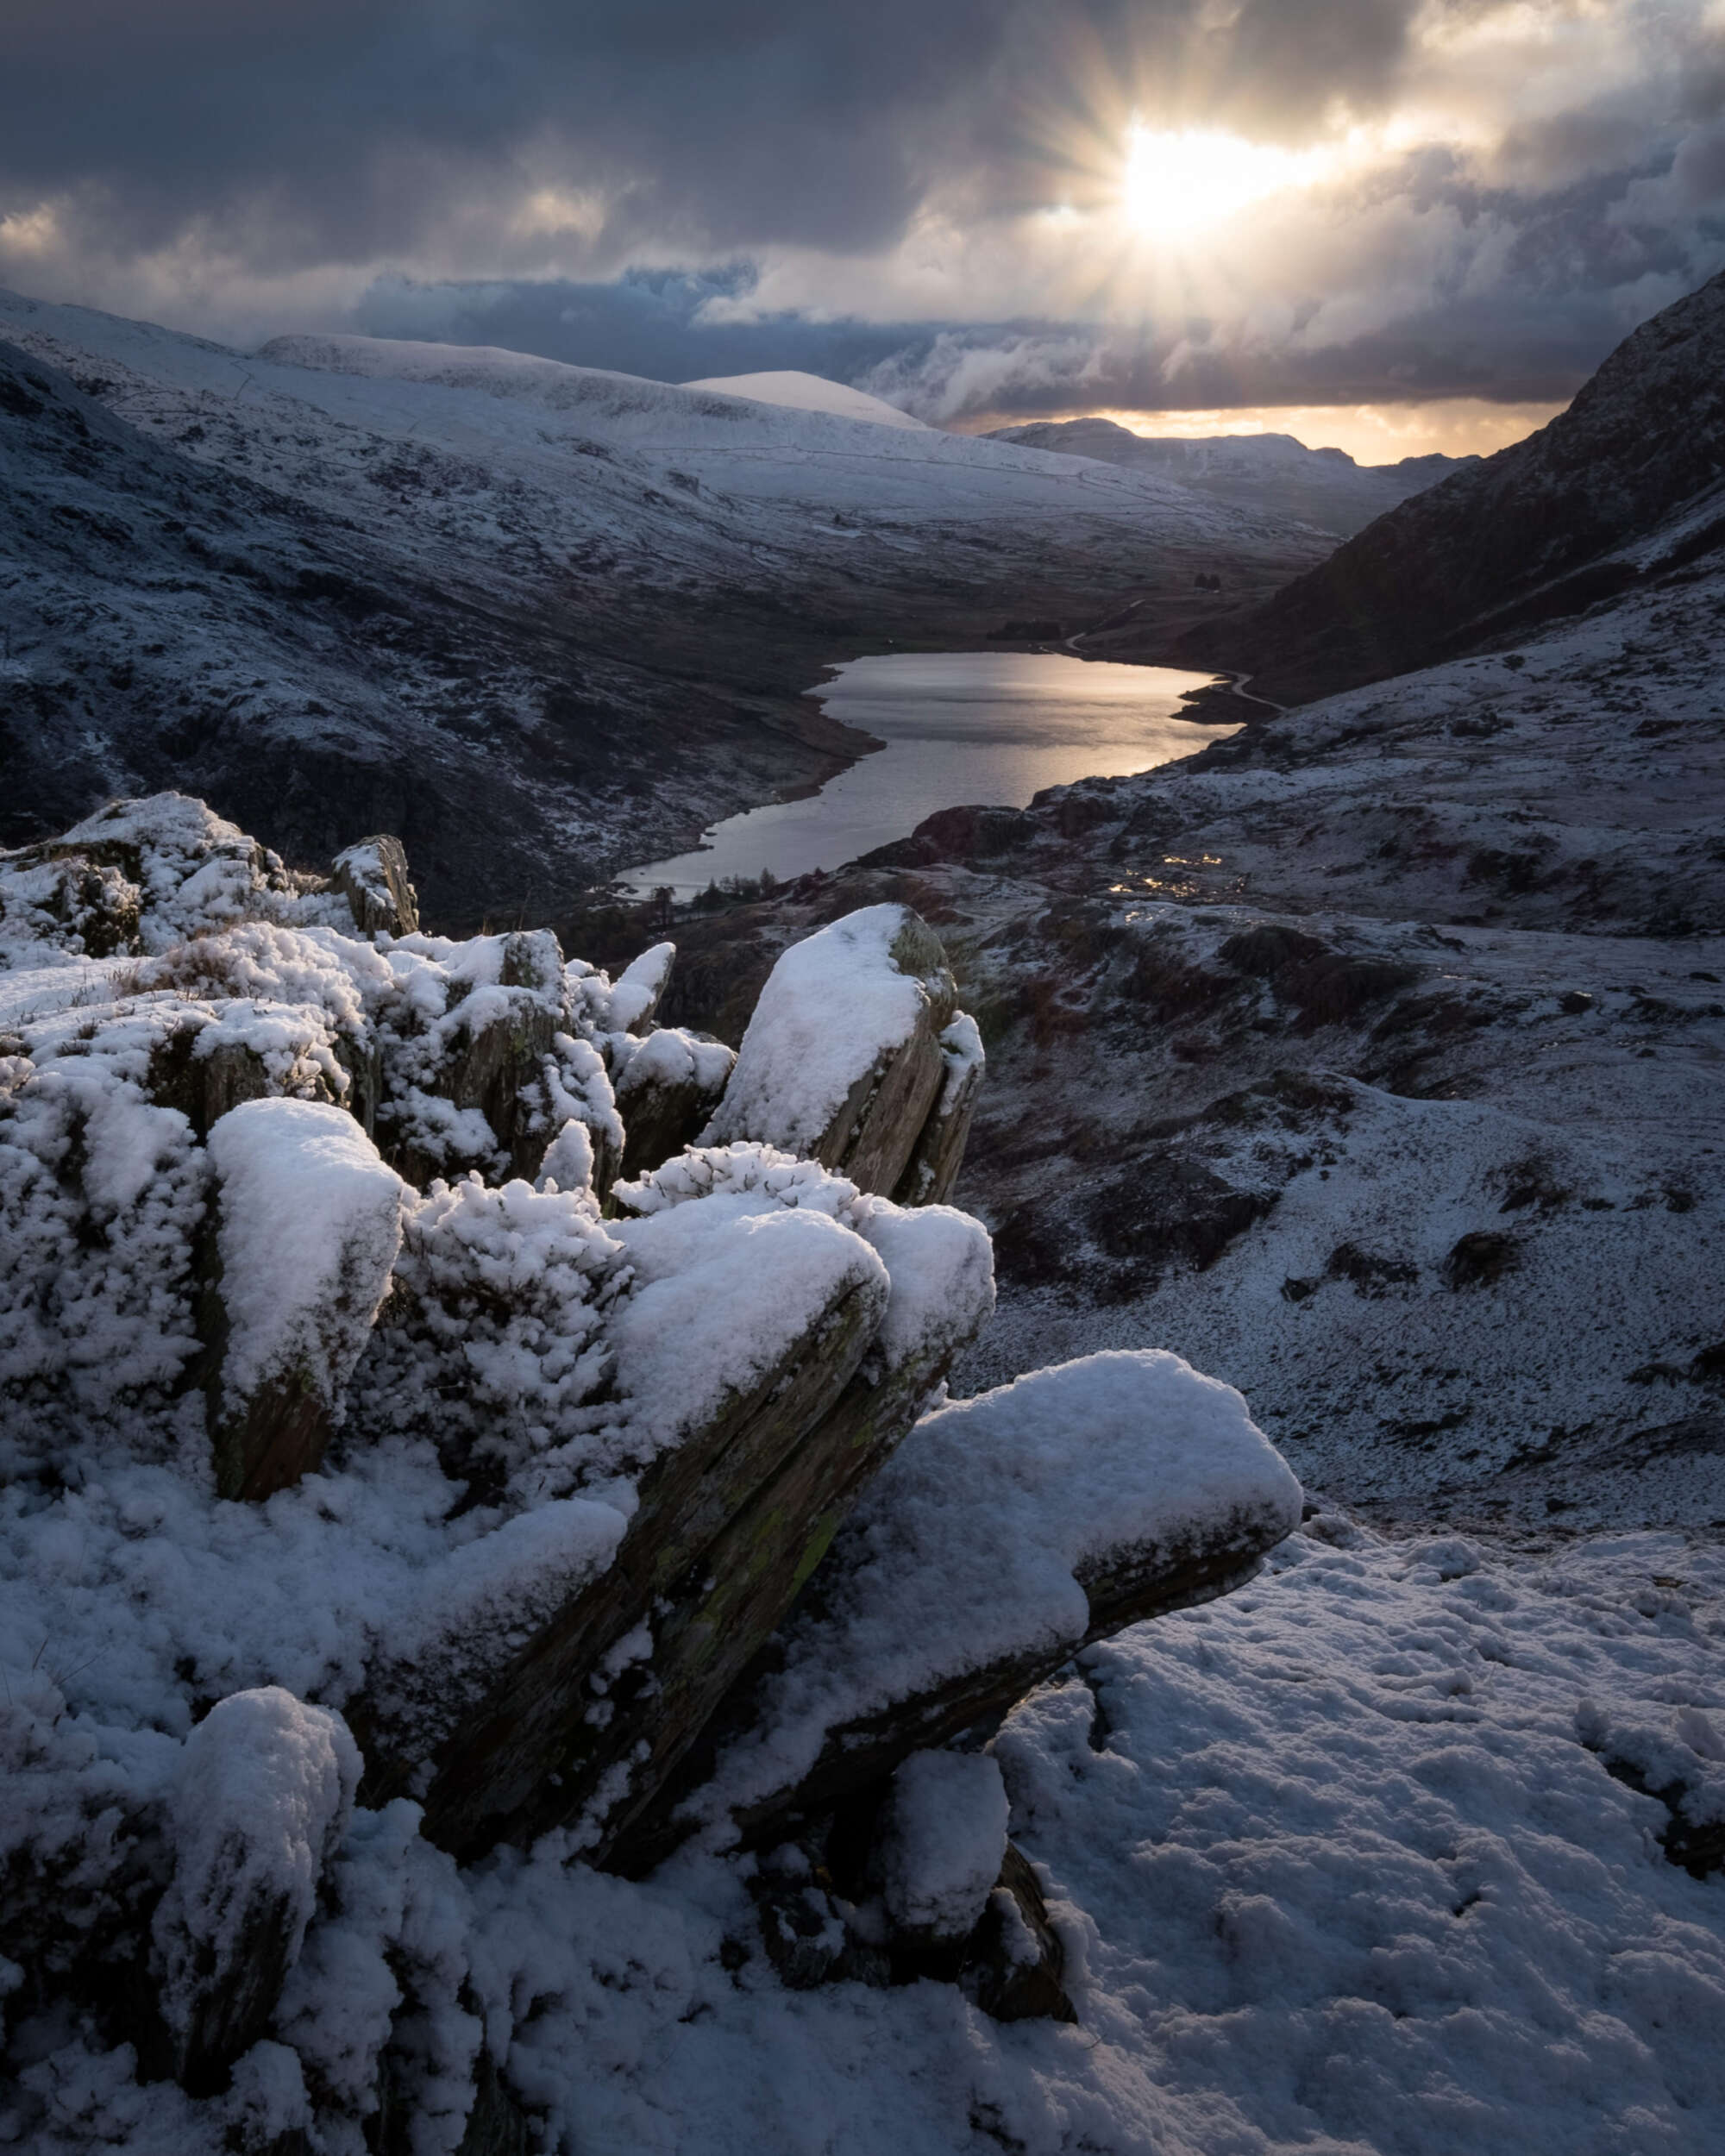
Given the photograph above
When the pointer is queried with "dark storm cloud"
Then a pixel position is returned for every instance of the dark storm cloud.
(326, 131)
(549, 148)
(1529, 347)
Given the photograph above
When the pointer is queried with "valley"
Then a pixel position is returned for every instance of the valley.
(541, 621)
(700, 1539)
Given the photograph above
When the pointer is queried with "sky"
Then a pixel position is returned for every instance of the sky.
(1414, 223)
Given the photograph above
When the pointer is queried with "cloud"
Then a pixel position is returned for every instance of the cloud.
(954, 375)
(922, 195)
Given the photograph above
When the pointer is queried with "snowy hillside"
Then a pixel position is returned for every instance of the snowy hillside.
(1347, 1057)
(808, 392)
(1064, 1492)
(542, 619)
(1272, 473)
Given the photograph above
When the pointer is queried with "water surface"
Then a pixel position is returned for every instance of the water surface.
(960, 727)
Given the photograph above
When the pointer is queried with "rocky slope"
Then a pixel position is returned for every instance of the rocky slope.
(1269, 473)
(389, 1771)
(541, 621)
(439, 1489)
(1373, 1060)
(1540, 531)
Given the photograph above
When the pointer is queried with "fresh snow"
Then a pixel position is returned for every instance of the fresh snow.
(1335, 1869)
(262, 1801)
(967, 1548)
(310, 1223)
(833, 1006)
(723, 1292)
(808, 392)
(939, 1261)
(943, 1837)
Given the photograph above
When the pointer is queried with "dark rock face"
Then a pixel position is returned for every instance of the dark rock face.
(1127, 1587)
(1015, 1965)
(665, 1098)
(1528, 535)
(528, 1752)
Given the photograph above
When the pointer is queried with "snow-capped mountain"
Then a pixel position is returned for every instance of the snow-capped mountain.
(542, 619)
(1269, 473)
(810, 392)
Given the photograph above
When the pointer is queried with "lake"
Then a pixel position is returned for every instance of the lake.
(961, 728)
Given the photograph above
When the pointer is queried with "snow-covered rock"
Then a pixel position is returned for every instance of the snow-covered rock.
(260, 1804)
(534, 1485)
(372, 874)
(668, 1087)
(1006, 1531)
(943, 1838)
(309, 1226)
(845, 1059)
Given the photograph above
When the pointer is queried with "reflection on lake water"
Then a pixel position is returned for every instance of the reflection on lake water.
(960, 727)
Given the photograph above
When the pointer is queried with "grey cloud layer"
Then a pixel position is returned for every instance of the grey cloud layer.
(314, 130)
(289, 138)
(1516, 346)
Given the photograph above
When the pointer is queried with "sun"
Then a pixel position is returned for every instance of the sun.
(1180, 182)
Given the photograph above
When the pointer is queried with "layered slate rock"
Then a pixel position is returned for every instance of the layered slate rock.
(540, 1731)
(1009, 1531)
(586, 1490)
(844, 1061)
(780, 1333)
(938, 1154)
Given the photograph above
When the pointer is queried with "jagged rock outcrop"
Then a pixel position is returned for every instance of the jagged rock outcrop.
(372, 875)
(551, 1459)
(845, 1059)
(1011, 1529)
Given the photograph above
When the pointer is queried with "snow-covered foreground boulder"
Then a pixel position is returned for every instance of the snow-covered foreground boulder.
(1007, 1531)
(367, 1438)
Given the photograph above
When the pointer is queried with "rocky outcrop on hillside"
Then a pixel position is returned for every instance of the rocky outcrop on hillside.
(1543, 530)
(392, 1485)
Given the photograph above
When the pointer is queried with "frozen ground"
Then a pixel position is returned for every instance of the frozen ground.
(1339, 1866)
(1373, 1063)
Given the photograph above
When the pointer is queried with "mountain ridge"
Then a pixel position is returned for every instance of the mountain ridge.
(1544, 528)
(1273, 470)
